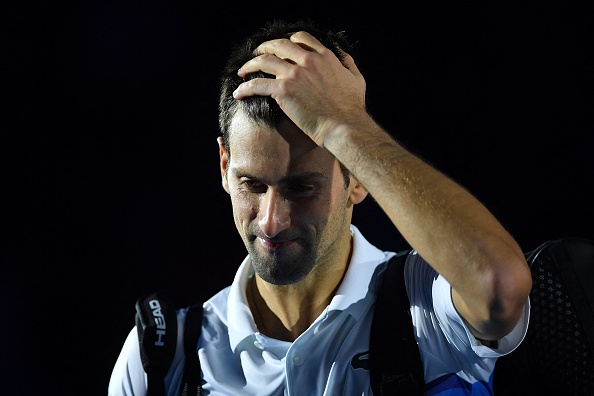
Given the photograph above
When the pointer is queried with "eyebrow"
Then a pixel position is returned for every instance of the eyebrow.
(290, 179)
(294, 179)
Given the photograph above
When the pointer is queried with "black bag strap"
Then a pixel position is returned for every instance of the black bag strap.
(156, 323)
(191, 381)
(395, 360)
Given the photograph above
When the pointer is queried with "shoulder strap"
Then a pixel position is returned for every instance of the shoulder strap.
(156, 323)
(191, 381)
(395, 360)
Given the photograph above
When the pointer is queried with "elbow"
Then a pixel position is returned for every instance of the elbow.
(509, 290)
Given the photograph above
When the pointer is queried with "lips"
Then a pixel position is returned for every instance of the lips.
(275, 245)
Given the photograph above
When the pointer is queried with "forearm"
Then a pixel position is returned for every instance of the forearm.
(435, 215)
(446, 224)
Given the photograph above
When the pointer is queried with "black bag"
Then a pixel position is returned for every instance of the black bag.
(557, 355)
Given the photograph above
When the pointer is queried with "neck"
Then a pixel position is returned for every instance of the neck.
(285, 312)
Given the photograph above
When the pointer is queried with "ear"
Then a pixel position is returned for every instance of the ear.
(224, 162)
(357, 192)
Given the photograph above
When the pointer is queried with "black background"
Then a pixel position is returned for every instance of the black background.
(110, 164)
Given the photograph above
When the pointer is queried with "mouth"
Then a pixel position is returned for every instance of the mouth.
(275, 245)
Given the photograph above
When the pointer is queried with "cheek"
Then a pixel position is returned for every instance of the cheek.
(317, 212)
(337, 205)
(245, 207)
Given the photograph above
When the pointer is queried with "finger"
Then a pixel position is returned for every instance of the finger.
(312, 44)
(266, 63)
(350, 64)
(256, 87)
(293, 49)
(307, 41)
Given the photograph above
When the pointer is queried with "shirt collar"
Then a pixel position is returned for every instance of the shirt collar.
(240, 320)
(356, 283)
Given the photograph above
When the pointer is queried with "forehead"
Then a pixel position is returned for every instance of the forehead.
(284, 148)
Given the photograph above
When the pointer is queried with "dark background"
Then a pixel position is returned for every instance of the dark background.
(110, 165)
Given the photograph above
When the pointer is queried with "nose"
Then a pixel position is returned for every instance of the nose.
(274, 214)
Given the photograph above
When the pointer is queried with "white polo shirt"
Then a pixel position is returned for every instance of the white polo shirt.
(237, 360)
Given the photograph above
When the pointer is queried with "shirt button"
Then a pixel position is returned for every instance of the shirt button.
(258, 345)
(297, 360)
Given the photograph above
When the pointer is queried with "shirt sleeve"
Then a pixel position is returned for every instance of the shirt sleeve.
(128, 377)
(460, 335)
(443, 337)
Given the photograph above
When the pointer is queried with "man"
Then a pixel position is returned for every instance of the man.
(298, 151)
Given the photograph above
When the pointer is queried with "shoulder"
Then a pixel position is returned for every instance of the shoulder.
(128, 377)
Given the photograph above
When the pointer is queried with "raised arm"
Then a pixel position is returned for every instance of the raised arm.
(453, 231)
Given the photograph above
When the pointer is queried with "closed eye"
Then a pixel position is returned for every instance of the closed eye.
(292, 187)
(301, 188)
(253, 185)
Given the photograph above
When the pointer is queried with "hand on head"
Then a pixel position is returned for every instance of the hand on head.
(314, 88)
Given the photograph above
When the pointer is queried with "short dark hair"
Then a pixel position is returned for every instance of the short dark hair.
(264, 109)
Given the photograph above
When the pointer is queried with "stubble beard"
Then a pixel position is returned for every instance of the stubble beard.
(282, 268)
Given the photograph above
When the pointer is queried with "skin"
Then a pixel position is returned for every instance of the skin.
(293, 212)
(446, 224)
